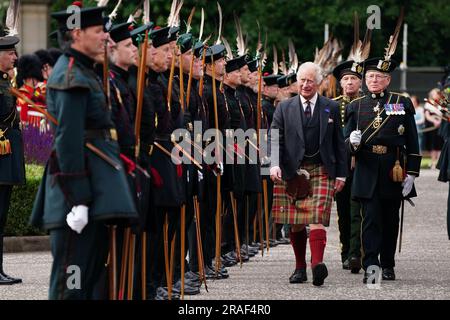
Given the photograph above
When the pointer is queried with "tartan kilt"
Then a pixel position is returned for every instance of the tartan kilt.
(315, 209)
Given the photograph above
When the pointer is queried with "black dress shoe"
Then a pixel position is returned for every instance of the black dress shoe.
(366, 278)
(346, 264)
(355, 264)
(298, 276)
(15, 280)
(6, 281)
(162, 293)
(320, 272)
(388, 274)
(188, 290)
(283, 241)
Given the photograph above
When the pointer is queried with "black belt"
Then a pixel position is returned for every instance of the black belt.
(106, 134)
(379, 149)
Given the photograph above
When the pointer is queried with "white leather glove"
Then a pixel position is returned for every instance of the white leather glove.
(407, 184)
(355, 138)
(275, 173)
(219, 169)
(77, 218)
(199, 175)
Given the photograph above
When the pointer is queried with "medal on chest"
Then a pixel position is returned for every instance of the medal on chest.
(378, 119)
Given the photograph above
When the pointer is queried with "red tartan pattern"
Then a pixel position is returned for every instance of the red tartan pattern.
(315, 209)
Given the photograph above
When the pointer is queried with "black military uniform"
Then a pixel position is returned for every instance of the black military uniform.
(236, 151)
(389, 139)
(76, 175)
(268, 107)
(348, 210)
(11, 154)
(213, 54)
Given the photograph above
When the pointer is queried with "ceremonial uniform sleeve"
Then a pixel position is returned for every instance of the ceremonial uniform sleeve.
(413, 157)
(69, 145)
(350, 127)
(276, 141)
(339, 144)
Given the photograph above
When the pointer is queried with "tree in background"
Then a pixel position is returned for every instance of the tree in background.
(303, 21)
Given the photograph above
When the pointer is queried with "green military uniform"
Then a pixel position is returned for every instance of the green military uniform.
(12, 164)
(76, 176)
(348, 210)
(389, 134)
(349, 215)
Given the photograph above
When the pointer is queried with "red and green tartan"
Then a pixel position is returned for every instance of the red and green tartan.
(315, 209)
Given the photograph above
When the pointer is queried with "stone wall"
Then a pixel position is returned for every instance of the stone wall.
(34, 25)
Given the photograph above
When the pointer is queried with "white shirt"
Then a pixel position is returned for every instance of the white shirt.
(312, 102)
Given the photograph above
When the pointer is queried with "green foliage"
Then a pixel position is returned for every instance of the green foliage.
(22, 203)
(303, 22)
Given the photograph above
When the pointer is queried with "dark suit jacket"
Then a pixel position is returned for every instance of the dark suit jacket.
(291, 142)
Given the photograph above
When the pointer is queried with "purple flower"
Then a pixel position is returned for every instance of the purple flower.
(37, 145)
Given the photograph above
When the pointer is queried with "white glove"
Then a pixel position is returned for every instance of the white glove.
(77, 218)
(355, 138)
(407, 184)
(275, 173)
(199, 175)
(219, 169)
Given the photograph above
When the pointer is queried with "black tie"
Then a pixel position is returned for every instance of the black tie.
(308, 110)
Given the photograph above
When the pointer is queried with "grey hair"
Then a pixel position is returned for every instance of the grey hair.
(311, 65)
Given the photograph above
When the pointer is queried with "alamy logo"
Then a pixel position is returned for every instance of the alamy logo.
(74, 20)
(374, 20)
(74, 280)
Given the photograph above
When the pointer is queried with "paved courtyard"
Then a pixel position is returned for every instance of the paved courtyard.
(423, 266)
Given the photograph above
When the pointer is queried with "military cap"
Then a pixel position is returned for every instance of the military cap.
(235, 64)
(29, 66)
(291, 78)
(186, 42)
(215, 52)
(138, 33)
(120, 32)
(198, 49)
(8, 43)
(282, 82)
(45, 57)
(380, 64)
(253, 65)
(161, 36)
(271, 79)
(89, 17)
(348, 67)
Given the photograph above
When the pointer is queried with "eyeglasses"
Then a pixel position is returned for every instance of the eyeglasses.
(373, 76)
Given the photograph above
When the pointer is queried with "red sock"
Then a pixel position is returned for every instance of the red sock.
(317, 243)
(298, 242)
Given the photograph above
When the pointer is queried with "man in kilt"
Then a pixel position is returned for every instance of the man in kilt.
(309, 138)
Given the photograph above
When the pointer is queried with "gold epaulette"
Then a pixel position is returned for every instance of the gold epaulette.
(356, 99)
(337, 98)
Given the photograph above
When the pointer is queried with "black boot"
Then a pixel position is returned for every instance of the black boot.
(4, 278)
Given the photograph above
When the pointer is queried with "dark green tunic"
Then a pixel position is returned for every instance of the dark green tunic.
(75, 175)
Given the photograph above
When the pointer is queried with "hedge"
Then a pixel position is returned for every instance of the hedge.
(22, 203)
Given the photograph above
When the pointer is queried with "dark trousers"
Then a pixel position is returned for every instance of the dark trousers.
(156, 272)
(344, 212)
(77, 257)
(355, 229)
(379, 231)
(5, 200)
